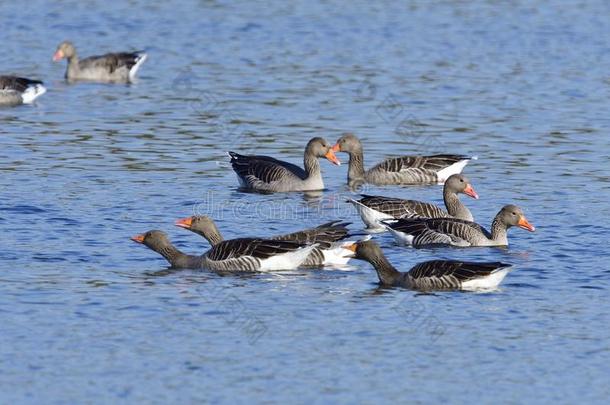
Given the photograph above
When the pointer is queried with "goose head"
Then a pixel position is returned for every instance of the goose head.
(155, 240)
(458, 183)
(320, 148)
(348, 143)
(511, 215)
(64, 50)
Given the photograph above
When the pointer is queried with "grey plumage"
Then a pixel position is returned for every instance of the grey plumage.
(430, 275)
(244, 254)
(266, 174)
(397, 170)
(16, 90)
(323, 235)
(120, 67)
(374, 208)
(456, 232)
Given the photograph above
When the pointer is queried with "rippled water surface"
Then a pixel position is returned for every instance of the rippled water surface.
(89, 316)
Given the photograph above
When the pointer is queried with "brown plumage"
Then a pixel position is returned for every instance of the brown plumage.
(266, 174)
(244, 254)
(372, 209)
(118, 67)
(16, 90)
(398, 170)
(434, 274)
(422, 232)
(325, 236)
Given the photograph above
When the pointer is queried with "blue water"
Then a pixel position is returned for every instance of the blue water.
(90, 317)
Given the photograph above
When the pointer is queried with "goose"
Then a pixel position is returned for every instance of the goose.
(266, 174)
(245, 254)
(421, 232)
(16, 90)
(111, 67)
(372, 209)
(328, 252)
(434, 274)
(398, 170)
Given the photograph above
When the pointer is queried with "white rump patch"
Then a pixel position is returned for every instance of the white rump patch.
(487, 283)
(134, 69)
(286, 261)
(32, 93)
(455, 168)
(370, 216)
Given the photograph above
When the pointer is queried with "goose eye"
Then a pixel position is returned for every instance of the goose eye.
(461, 180)
(514, 213)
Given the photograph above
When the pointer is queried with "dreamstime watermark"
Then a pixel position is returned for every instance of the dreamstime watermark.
(233, 310)
(218, 207)
(393, 112)
(419, 318)
(210, 107)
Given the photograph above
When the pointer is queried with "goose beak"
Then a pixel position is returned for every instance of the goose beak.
(184, 223)
(336, 148)
(59, 55)
(524, 223)
(352, 250)
(470, 191)
(138, 238)
(330, 155)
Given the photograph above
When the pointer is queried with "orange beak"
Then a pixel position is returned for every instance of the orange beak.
(138, 238)
(59, 55)
(351, 247)
(330, 155)
(336, 148)
(470, 191)
(352, 250)
(523, 223)
(185, 223)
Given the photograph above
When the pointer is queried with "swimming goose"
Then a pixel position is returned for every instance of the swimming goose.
(398, 170)
(111, 67)
(372, 209)
(16, 90)
(456, 232)
(327, 236)
(432, 275)
(245, 254)
(266, 174)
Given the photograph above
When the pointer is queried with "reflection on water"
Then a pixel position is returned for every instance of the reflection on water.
(524, 86)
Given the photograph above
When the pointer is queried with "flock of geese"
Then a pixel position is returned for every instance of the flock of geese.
(118, 67)
(415, 223)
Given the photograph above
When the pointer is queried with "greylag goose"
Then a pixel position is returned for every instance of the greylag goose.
(19, 90)
(398, 170)
(456, 232)
(327, 236)
(432, 275)
(245, 254)
(111, 67)
(266, 174)
(372, 209)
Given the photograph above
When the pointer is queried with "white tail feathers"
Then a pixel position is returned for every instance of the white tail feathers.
(32, 93)
(132, 72)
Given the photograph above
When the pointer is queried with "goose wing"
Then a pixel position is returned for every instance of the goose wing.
(15, 83)
(254, 247)
(112, 61)
(265, 169)
(433, 163)
(400, 208)
(450, 274)
(432, 231)
(324, 234)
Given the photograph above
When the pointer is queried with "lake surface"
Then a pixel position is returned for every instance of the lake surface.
(90, 317)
